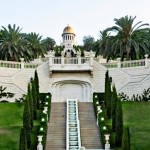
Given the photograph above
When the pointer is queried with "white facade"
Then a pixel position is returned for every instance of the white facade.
(74, 77)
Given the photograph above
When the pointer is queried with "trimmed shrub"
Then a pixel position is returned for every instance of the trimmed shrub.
(108, 94)
(27, 122)
(23, 140)
(126, 139)
(113, 107)
(119, 123)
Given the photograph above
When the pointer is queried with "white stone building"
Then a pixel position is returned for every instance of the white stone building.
(74, 77)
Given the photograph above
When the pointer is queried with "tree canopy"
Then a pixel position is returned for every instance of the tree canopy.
(125, 40)
(14, 44)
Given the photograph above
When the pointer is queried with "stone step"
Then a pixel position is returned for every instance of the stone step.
(90, 136)
(56, 135)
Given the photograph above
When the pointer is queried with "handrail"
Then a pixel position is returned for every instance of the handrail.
(73, 140)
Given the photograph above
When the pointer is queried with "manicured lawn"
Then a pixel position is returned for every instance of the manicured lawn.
(137, 116)
(10, 125)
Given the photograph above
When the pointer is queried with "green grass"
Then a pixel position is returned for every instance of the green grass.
(10, 124)
(137, 116)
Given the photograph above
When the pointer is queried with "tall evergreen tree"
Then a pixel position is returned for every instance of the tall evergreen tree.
(30, 99)
(126, 139)
(119, 123)
(23, 140)
(108, 94)
(34, 95)
(27, 122)
(113, 107)
(36, 80)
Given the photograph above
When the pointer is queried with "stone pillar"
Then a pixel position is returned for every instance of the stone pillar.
(40, 146)
(119, 62)
(39, 59)
(146, 60)
(82, 148)
(62, 61)
(50, 60)
(22, 63)
(91, 58)
(107, 145)
(79, 60)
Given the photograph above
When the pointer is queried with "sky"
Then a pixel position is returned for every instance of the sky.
(87, 17)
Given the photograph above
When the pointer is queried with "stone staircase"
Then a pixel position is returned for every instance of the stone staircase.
(56, 135)
(90, 135)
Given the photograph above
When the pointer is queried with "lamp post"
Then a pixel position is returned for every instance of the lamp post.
(98, 112)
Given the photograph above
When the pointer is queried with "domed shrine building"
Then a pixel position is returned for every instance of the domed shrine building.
(74, 76)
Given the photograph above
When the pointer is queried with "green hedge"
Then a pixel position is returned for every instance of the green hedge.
(45, 100)
(98, 100)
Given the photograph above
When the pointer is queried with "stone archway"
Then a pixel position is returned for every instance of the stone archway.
(61, 90)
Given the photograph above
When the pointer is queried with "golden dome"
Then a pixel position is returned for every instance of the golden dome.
(69, 30)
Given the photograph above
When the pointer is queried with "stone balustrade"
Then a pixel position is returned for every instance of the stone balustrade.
(127, 64)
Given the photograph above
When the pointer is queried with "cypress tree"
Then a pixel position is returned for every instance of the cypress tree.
(27, 122)
(113, 107)
(36, 80)
(23, 140)
(34, 96)
(126, 139)
(119, 123)
(108, 94)
(30, 99)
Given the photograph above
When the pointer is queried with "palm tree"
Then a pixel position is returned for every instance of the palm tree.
(12, 44)
(49, 43)
(131, 40)
(34, 44)
(100, 45)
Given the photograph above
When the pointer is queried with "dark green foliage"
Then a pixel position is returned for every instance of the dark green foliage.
(113, 107)
(45, 101)
(34, 96)
(23, 140)
(119, 123)
(130, 41)
(126, 139)
(48, 43)
(88, 43)
(30, 99)
(145, 96)
(36, 80)
(108, 94)
(5, 94)
(27, 122)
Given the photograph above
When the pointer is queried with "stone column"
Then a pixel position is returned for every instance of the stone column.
(22, 63)
(146, 60)
(40, 146)
(62, 61)
(50, 60)
(107, 145)
(39, 59)
(119, 62)
(91, 58)
(79, 61)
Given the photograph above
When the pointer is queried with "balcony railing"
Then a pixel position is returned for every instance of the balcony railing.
(72, 60)
(71, 64)
(127, 64)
